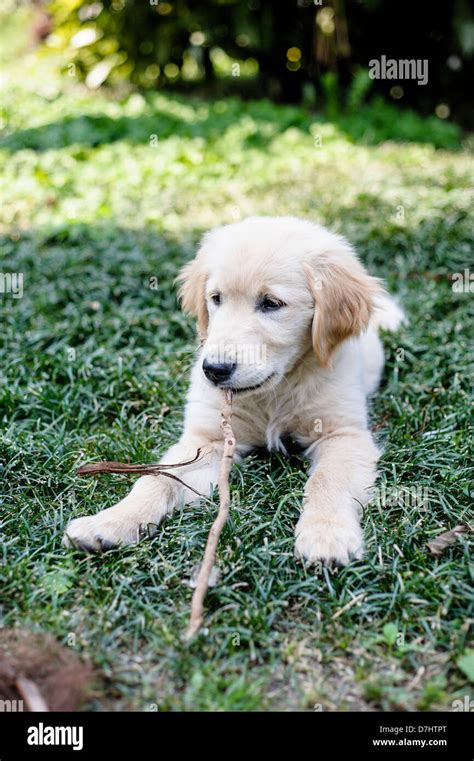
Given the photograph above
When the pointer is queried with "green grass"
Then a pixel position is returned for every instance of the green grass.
(92, 356)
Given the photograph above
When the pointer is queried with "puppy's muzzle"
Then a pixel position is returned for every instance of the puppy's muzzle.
(219, 372)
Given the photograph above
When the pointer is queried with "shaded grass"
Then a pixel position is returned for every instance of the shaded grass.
(95, 359)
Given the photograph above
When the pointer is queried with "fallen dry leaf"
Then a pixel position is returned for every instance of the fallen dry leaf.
(438, 545)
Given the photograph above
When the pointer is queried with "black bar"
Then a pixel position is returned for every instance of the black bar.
(151, 735)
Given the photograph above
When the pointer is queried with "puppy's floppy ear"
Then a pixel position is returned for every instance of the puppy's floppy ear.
(192, 293)
(343, 293)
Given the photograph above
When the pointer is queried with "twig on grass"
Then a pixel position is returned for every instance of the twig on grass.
(354, 601)
(152, 469)
(202, 583)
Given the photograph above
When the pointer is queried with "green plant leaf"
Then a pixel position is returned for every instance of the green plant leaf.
(466, 664)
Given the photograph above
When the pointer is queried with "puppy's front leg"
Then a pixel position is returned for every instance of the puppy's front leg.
(344, 468)
(151, 498)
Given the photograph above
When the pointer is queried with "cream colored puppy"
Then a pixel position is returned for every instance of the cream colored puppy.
(288, 318)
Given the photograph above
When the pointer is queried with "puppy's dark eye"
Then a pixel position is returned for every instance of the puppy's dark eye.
(270, 304)
(216, 298)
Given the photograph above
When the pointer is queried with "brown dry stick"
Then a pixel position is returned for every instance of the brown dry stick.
(202, 584)
(152, 469)
(111, 466)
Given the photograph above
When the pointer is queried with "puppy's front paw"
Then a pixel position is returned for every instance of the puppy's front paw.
(331, 540)
(101, 532)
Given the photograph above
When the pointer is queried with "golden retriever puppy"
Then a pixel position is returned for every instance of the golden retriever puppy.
(288, 319)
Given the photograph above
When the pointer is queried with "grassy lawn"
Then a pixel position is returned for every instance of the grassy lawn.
(103, 199)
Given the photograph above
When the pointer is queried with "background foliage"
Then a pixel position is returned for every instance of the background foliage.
(294, 50)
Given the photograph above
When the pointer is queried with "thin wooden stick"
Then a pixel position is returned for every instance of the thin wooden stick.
(197, 603)
(111, 466)
(152, 469)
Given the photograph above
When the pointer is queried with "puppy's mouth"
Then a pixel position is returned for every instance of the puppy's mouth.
(241, 389)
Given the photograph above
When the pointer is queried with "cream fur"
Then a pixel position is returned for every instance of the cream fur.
(323, 357)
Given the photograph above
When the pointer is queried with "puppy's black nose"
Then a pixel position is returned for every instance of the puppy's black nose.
(218, 372)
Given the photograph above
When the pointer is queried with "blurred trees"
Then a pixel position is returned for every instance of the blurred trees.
(285, 50)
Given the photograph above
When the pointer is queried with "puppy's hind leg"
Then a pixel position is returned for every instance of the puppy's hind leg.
(388, 315)
(151, 498)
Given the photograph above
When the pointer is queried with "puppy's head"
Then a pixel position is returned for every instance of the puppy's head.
(266, 290)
